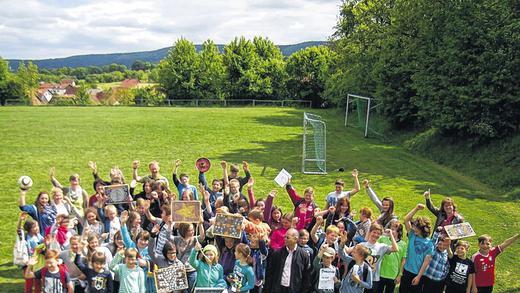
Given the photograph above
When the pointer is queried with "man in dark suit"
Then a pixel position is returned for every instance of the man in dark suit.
(289, 268)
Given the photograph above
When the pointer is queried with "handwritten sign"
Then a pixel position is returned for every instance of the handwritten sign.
(282, 178)
(119, 193)
(184, 211)
(171, 278)
(459, 231)
(228, 225)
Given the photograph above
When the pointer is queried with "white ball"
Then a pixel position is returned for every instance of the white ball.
(25, 182)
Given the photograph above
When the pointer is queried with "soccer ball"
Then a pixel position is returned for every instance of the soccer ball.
(25, 182)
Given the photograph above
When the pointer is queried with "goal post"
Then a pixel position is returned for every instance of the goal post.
(363, 107)
(314, 159)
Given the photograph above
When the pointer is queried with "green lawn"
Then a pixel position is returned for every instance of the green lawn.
(33, 139)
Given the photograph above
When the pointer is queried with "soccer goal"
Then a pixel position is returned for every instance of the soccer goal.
(360, 109)
(314, 145)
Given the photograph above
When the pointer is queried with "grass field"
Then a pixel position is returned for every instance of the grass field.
(33, 139)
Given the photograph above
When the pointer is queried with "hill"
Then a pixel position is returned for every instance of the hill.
(268, 138)
(129, 58)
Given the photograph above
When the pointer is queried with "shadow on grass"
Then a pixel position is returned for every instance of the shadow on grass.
(10, 278)
(348, 149)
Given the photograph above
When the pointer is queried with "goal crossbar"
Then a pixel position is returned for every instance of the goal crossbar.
(369, 108)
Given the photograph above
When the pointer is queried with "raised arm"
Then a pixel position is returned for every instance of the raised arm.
(429, 204)
(176, 181)
(355, 190)
(508, 242)
(203, 181)
(54, 181)
(409, 216)
(135, 166)
(224, 165)
(373, 196)
(314, 230)
(394, 247)
(21, 199)
(245, 166)
(292, 193)
(251, 193)
(124, 230)
(269, 205)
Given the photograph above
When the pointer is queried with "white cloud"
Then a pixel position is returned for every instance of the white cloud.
(36, 29)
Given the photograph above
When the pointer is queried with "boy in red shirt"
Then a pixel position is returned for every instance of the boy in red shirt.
(484, 260)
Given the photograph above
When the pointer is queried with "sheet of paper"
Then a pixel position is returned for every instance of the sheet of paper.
(326, 279)
(282, 178)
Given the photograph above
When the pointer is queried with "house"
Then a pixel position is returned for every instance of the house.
(70, 90)
(129, 83)
(44, 95)
(66, 82)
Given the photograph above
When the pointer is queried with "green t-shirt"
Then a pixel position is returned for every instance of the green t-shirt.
(392, 261)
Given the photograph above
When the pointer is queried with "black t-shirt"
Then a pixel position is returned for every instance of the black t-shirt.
(459, 272)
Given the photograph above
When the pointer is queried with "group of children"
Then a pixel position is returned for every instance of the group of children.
(73, 242)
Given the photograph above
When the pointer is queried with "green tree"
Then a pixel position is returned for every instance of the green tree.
(5, 76)
(178, 71)
(28, 78)
(241, 61)
(308, 70)
(270, 68)
(211, 73)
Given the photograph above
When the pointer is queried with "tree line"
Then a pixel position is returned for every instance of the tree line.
(451, 65)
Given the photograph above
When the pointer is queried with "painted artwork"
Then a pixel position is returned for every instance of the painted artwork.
(228, 225)
(186, 211)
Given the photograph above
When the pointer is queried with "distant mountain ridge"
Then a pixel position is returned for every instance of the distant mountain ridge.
(129, 58)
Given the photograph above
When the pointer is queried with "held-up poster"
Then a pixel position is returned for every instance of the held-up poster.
(118, 193)
(186, 211)
(459, 231)
(171, 278)
(228, 225)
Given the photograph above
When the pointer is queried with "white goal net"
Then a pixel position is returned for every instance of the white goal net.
(314, 145)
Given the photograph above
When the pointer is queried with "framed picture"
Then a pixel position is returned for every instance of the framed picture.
(171, 278)
(228, 225)
(119, 193)
(186, 211)
(459, 231)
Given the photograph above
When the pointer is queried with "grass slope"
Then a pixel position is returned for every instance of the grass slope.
(33, 139)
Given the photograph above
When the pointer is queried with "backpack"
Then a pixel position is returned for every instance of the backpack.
(366, 268)
(20, 251)
(63, 276)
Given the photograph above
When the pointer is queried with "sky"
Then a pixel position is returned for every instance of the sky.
(40, 29)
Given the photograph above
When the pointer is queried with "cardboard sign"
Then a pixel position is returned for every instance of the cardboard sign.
(228, 225)
(459, 231)
(186, 211)
(119, 193)
(171, 278)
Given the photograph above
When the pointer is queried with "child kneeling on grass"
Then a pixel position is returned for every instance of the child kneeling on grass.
(131, 276)
(54, 277)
